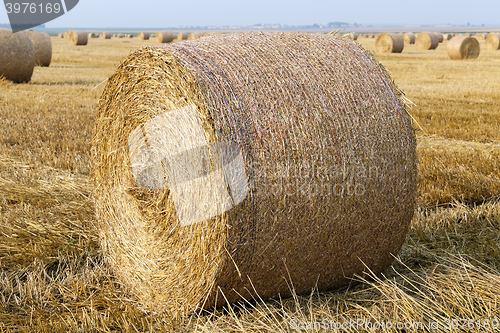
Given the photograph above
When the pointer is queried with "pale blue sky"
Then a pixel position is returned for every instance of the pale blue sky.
(157, 13)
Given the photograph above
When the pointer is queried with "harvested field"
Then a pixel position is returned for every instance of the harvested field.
(53, 277)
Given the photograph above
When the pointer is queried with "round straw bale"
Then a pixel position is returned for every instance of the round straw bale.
(105, 35)
(192, 36)
(165, 36)
(409, 38)
(480, 36)
(427, 41)
(78, 37)
(93, 35)
(130, 36)
(115, 35)
(17, 56)
(66, 34)
(439, 36)
(352, 36)
(182, 35)
(143, 35)
(43, 47)
(60, 35)
(120, 36)
(493, 41)
(205, 34)
(389, 43)
(463, 47)
(213, 185)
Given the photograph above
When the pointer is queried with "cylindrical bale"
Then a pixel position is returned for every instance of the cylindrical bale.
(66, 34)
(78, 37)
(439, 36)
(130, 36)
(389, 43)
(182, 35)
(493, 41)
(115, 35)
(212, 185)
(165, 36)
(120, 36)
(480, 36)
(105, 35)
(60, 35)
(463, 47)
(152, 36)
(143, 35)
(17, 56)
(43, 47)
(409, 38)
(427, 41)
(205, 34)
(191, 36)
(352, 36)
(93, 35)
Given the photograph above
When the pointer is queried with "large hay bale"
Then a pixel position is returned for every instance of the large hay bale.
(43, 47)
(17, 56)
(427, 41)
(295, 162)
(463, 47)
(77, 37)
(439, 36)
(182, 35)
(105, 35)
(165, 36)
(493, 41)
(143, 35)
(409, 38)
(389, 43)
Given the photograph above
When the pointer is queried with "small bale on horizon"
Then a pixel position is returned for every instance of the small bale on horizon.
(105, 35)
(164, 36)
(78, 37)
(143, 35)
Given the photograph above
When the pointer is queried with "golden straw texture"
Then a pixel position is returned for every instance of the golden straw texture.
(165, 36)
(105, 35)
(409, 38)
(480, 36)
(427, 41)
(493, 41)
(389, 43)
(143, 35)
(78, 37)
(463, 47)
(234, 165)
(17, 56)
(43, 47)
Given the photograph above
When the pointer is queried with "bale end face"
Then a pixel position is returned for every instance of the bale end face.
(463, 47)
(389, 43)
(493, 41)
(427, 41)
(78, 38)
(17, 56)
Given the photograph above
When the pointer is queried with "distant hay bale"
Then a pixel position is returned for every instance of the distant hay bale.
(439, 36)
(105, 35)
(409, 38)
(213, 185)
(463, 47)
(115, 35)
(182, 35)
(165, 36)
(389, 43)
(120, 36)
(191, 36)
(143, 35)
(130, 36)
(93, 35)
(493, 41)
(204, 34)
(60, 35)
(78, 37)
(66, 34)
(352, 36)
(480, 36)
(447, 36)
(152, 36)
(17, 56)
(427, 41)
(43, 47)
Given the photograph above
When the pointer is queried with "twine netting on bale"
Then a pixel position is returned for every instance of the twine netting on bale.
(463, 47)
(409, 38)
(43, 47)
(77, 37)
(17, 56)
(389, 43)
(105, 35)
(427, 41)
(165, 36)
(234, 164)
(493, 41)
(143, 35)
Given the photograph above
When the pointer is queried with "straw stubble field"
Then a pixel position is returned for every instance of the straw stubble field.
(52, 276)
